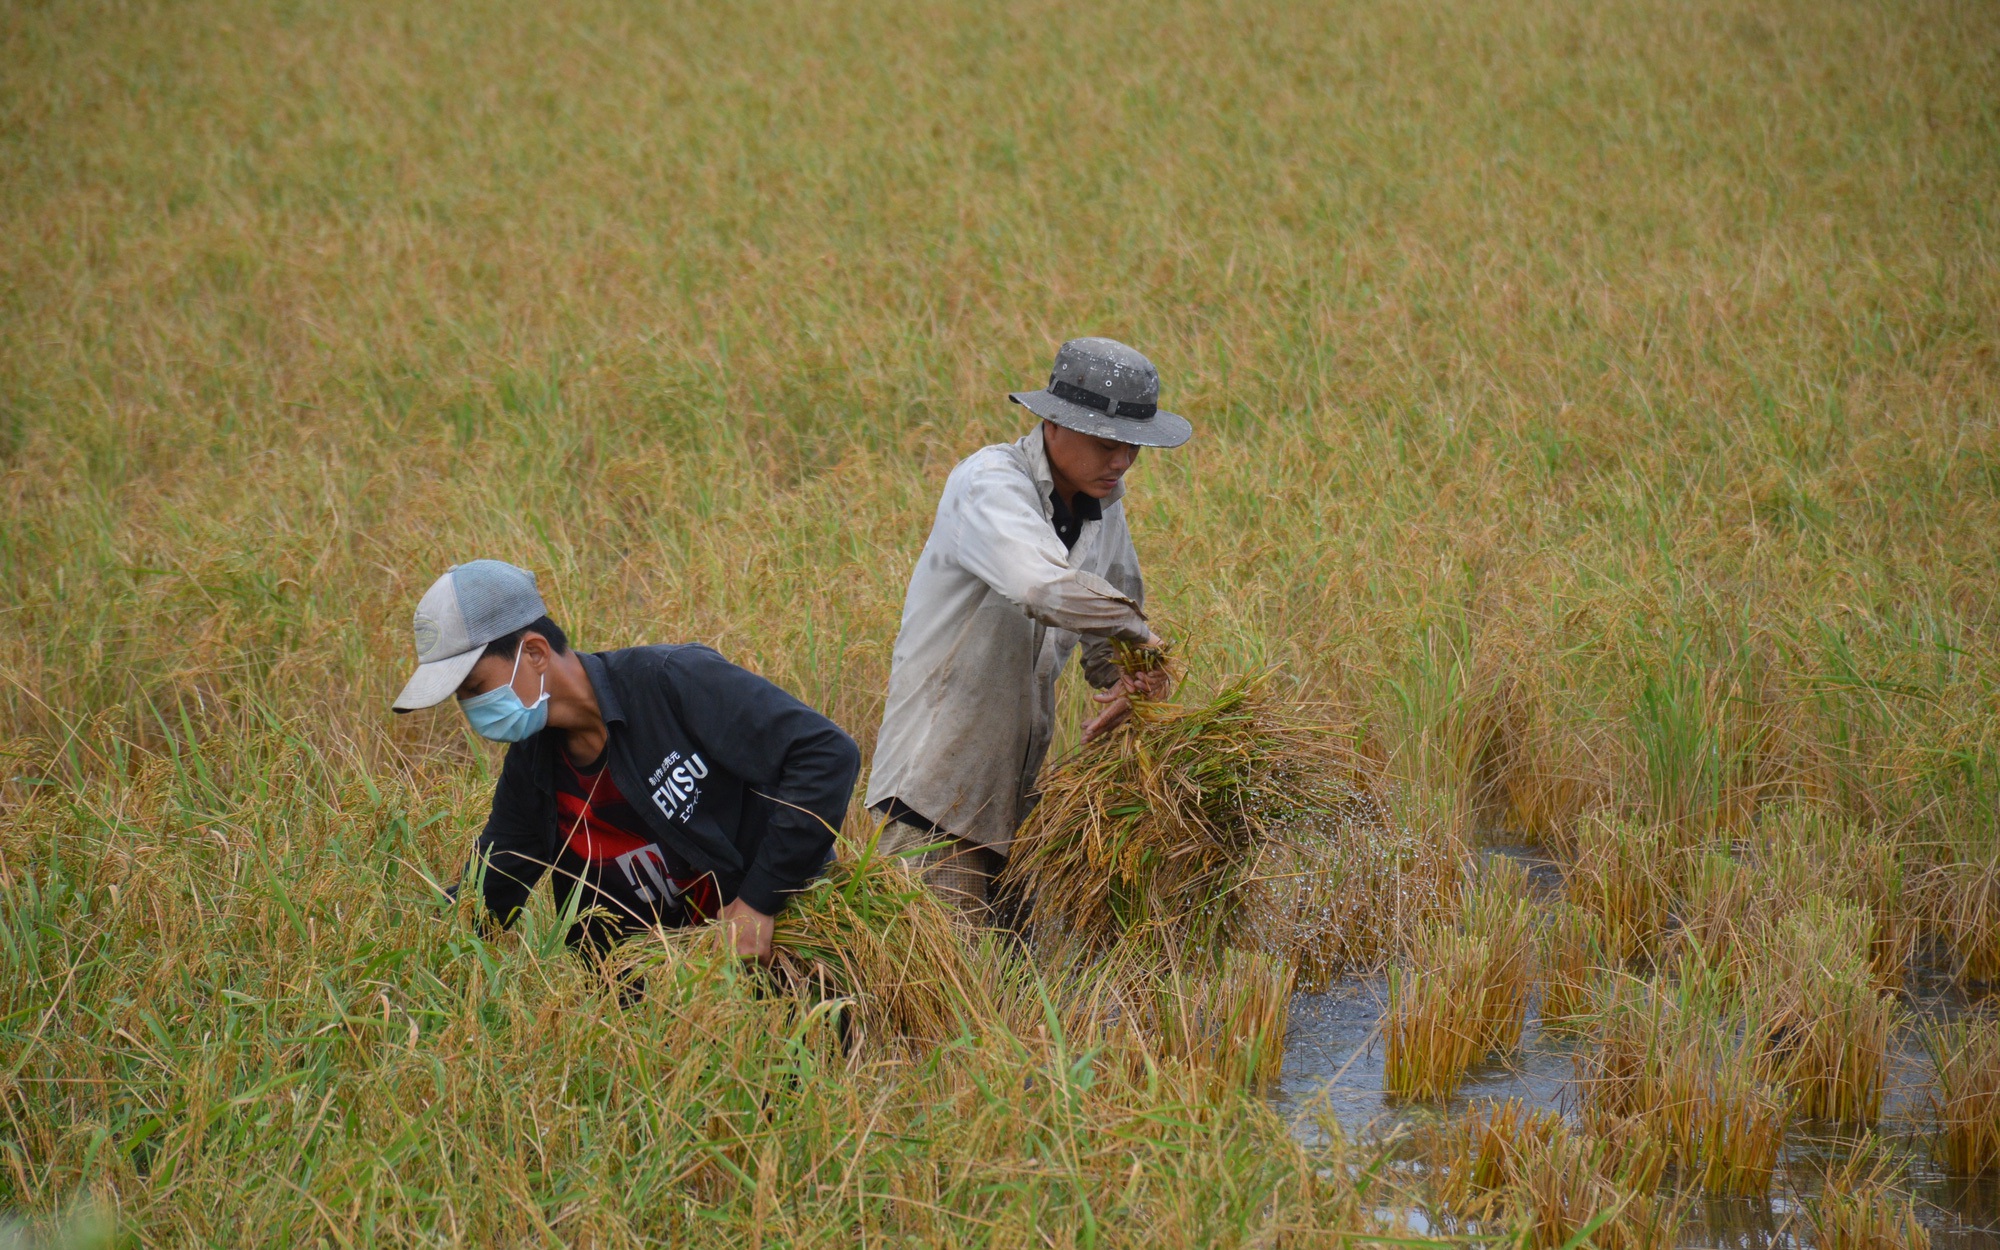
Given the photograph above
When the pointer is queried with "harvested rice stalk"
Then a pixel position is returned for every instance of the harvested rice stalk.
(1860, 1208)
(1432, 1030)
(1624, 874)
(1503, 1166)
(1132, 657)
(1966, 1054)
(1573, 958)
(1232, 823)
(1693, 1079)
(868, 932)
(1500, 913)
(1827, 1025)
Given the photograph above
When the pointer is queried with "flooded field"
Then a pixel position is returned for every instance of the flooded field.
(1334, 1069)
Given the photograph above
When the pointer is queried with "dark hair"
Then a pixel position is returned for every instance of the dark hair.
(506, 645)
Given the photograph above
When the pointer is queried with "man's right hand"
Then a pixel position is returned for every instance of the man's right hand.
(749, 930)
(1117, 701)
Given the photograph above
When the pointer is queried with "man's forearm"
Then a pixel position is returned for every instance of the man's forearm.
(1086, 604)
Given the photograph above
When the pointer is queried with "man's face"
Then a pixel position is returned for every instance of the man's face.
(492, 671)
(1081, 462)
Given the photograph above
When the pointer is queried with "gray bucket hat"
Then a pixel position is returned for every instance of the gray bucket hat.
(470, 606)
(1103, 388)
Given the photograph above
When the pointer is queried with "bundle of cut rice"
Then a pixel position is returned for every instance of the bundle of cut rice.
(1236, 823)
(868, 931)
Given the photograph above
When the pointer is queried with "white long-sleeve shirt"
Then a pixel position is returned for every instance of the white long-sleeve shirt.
(995, 607)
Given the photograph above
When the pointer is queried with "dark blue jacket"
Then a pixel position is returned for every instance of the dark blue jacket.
(737, 776)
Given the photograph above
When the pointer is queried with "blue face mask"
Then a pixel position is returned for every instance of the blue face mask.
(500, 716)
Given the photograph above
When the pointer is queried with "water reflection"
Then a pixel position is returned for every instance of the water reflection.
(1333, 1067)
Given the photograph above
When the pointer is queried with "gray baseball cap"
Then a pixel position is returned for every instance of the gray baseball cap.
(1103, 388)
(470, 606)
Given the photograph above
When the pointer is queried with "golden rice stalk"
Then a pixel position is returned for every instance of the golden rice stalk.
(1966, 1056)
(1613, 1071)
(1826, 1025)
(1731, 904)
(1803, 850)
(1692, 1079)
(1500, 913)
(1741, 1122)
(868, 932)
(1219, 1022)
(1463, 993)
(1201, 823)
(1229, 1020)
(1874, 881)
(1725, 913)
(1570, 1181)
(1572, 959)
(1859, 1207)
(1468, 1160)
(1433, 1028)
(1627, 1070)
(1503, 1166)
(1624, 874)
(1966, 908)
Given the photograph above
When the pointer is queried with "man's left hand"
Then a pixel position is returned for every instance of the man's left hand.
(749, 930)
(1117, 701)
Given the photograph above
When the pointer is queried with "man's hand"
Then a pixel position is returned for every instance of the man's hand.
(749, 930)
(1117, 701)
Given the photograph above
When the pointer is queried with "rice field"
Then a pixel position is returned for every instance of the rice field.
(1596, 453)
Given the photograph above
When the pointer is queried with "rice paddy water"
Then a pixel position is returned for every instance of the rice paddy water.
(1336, 1071)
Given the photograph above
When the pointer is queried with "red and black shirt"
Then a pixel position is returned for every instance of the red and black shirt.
(633, 881)
(714, 766)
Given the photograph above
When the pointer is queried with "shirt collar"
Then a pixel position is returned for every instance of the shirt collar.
(608, 705)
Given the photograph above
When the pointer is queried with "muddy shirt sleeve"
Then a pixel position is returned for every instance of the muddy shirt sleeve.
(1000, 536)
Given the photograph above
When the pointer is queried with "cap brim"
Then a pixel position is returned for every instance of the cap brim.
(1162, 429)
(437, 681)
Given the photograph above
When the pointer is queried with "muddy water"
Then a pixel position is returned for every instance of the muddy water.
(1333, 1065)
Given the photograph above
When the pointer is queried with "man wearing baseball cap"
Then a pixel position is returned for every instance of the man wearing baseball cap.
(1029, 555)
(667, 784)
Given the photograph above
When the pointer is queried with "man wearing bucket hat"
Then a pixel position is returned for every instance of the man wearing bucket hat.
(666, 784)
(1028, 556)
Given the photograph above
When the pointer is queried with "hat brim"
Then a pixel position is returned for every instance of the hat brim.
(437, 681)
(1162, 429)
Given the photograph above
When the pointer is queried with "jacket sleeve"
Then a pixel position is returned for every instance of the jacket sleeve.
(1000, 537)
(514, 844)
(782, 749)
(1100, 667)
